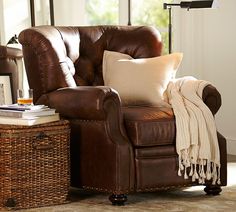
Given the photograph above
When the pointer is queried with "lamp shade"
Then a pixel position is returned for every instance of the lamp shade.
(199, 4)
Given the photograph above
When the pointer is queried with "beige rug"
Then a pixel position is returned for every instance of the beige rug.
(185, 200)
(189, 199)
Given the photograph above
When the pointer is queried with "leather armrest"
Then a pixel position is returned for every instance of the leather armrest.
(211, 98)
(83, 102)
(9, 52)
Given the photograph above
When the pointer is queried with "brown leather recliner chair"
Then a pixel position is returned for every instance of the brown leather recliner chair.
(8, 65)
(114, 149)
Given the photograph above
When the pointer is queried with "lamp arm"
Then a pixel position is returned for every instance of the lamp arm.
(168, 5)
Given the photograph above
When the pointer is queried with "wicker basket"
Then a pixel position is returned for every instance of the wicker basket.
(34, 165)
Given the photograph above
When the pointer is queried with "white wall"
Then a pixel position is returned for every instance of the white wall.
(207, 37)
(1, 21)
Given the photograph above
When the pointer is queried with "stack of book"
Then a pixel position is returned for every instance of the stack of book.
(27, 115)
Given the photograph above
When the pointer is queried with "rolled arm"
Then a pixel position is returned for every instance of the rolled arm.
(82, 102)
(212, 98)
(99, 142)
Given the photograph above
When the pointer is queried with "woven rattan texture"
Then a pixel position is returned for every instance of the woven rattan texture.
(34, 165)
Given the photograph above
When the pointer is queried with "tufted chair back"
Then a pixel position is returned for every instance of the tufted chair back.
(76, 53)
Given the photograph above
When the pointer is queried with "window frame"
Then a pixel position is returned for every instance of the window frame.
(125, 18)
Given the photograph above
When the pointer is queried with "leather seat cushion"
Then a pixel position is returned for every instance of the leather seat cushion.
(150, 126)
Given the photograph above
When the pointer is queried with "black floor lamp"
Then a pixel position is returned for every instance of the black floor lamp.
(129, 12)
(188, 5)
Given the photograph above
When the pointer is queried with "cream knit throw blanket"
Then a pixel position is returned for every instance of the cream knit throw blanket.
(196, 136)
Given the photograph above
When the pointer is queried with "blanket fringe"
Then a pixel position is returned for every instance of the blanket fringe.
(201, 171)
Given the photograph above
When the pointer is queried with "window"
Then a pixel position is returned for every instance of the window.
(143, 12)
(102, 12)
(151, 12)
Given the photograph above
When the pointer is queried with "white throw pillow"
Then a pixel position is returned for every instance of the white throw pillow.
(140, 81)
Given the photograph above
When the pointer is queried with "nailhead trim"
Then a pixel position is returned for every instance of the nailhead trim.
(108, 190)
(151, 189)
(87, 120)
(148, 189)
